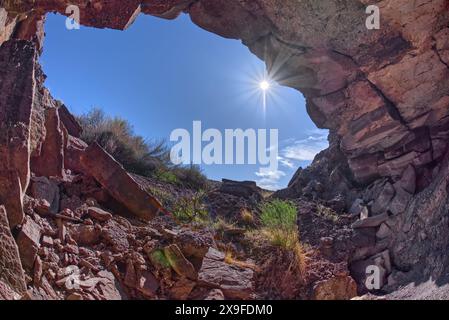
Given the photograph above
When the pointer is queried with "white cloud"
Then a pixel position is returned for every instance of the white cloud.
(292, 152)
(269, 179)
(306, 149)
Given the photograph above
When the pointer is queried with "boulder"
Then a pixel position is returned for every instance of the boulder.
(28, 242)
(46, 189)
(381, 203)
(408, 180)
(116, 236)
(356, 207)
(50, 161)
(236, 282)
(69, 121)
(120, 184)
(11, 272)
(194, 243)
(147, 284)
(11, 195)
(74, 148)
(179, 263)
(85, 235)
(181, 289)
(18, 61)
(383, 232)
(6, 293)
(99, 214)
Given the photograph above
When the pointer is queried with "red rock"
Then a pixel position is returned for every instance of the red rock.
(99, 214)
(18, 62)
(28, 242)
(47, 241)
(74, 148)
(37, 271)
(236, 282)
(111, 175)
(109, 287)
(43, 207)
(69, 122)
(179, 263)
(85, 234)
(46, 189)
(193, 243)
(50, 161)
(11, 272)
(181, 289)
(116, 236)
(11, 197)
(6, 293)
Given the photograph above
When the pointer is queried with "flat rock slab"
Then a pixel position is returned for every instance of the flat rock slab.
(370, 222)
(235, 282)
(122, 187)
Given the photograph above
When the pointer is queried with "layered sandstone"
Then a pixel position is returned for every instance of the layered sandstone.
(384, 95)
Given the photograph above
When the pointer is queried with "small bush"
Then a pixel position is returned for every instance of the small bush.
(191, 208)
(150, 158)
(279, 223)
(191, 177)
(247, 217)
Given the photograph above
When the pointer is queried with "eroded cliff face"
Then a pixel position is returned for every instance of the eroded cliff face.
(384, 95)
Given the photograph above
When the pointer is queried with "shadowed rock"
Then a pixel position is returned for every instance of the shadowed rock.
(111, 175)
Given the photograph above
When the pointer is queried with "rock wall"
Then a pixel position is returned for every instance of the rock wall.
(384, 94)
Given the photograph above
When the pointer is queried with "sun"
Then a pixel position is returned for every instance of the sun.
(264, 85)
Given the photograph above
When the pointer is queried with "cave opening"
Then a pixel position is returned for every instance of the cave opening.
(162, 75)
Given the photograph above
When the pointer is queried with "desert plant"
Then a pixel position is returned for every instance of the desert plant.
(246, 216)
(278, 219)
(150, 158)
(191, 208)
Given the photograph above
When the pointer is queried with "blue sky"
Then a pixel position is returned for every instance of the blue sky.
(162, 75)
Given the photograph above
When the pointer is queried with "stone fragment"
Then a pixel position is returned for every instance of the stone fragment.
(46, 189)
(182, 289)
(383, 232)
(147, 284)
(85, 235)
(99, 214)
(43, 207)
(69, 122)
(18, 61)
(245, 189)
(116, 236)
(408, 180)
(111, 175)
(236, 282)
(50, 161)
(11, 196)
(179, 263)
(194, 243)
(28, 242)
(370, 222)
(381, 203)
